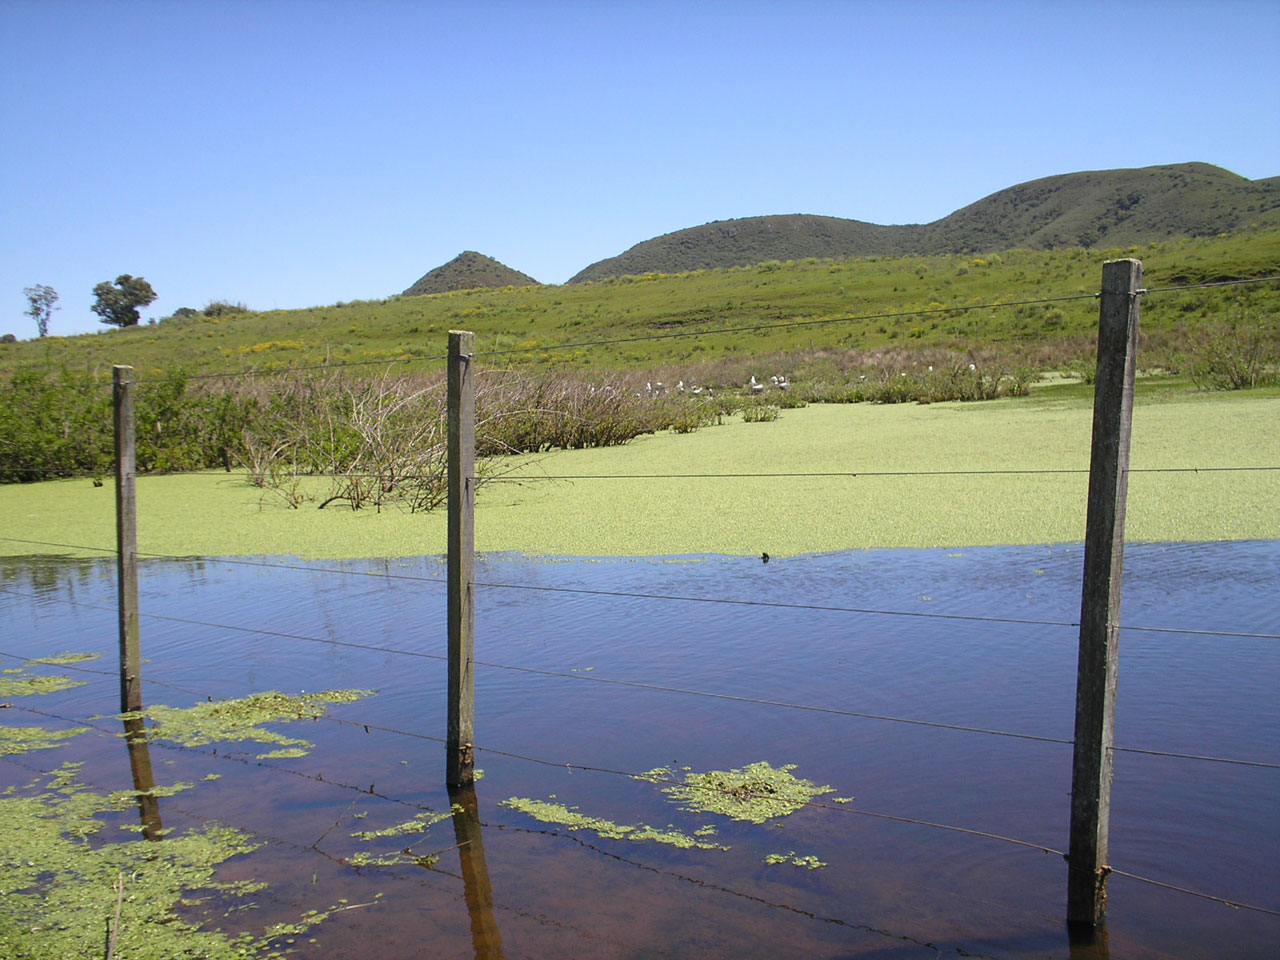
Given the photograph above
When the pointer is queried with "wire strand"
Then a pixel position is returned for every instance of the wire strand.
(1211, 283)
(670, 689)
(643, 596)
(782, 324)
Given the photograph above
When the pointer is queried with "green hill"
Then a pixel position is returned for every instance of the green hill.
(905, 302)
(1089, 209)
(469, 271)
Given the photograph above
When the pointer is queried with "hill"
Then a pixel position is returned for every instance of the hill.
(469, 271)
(910, 301)
(1088, 209)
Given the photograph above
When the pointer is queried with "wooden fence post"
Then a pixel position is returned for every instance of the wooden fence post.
(461, 565)
(1100, 595)
(126, 539)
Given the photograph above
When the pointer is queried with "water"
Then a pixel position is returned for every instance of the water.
(890, 888)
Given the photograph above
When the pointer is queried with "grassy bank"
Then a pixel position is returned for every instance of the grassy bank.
(212, 514)
(901, 303)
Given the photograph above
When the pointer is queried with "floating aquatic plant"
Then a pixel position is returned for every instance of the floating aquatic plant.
(226, 721)
(62, 659)
(569, 817)
(62, 893)
(755, 793)
(812, 863)
(421, 823)
(18, 683)
(19, 740)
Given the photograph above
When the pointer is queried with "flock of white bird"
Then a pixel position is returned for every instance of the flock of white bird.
(658, 388)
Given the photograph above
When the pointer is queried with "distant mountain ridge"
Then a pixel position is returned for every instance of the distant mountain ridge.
(467, 271)
(1087, 209)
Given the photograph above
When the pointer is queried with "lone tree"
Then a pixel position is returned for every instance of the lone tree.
(117, 303)
(41, 299)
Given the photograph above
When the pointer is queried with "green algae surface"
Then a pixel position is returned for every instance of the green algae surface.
(15, 741)
(570, 817)
(909, 475)
(16, 682)
(63, 895)
(809, 862)
(229, 721)
(756, 793)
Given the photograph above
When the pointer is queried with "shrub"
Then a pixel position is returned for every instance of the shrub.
(1235, 354)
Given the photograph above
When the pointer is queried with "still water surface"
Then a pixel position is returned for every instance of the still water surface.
(890, 888)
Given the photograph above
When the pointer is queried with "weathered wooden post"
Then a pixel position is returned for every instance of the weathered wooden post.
(1100, 596)
(126, 539)
(461, 564)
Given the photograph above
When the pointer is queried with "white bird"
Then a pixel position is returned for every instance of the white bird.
(972, 367)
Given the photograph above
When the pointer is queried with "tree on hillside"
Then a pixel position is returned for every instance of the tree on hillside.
(41, 299)
(117, 303)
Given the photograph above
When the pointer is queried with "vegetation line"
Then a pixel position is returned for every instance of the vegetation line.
(341, 365)
(523, 478)
(786, 325)
(861, 473)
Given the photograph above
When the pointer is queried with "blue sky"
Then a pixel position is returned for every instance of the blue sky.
(289, 154)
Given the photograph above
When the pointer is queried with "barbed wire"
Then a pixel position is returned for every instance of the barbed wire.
(507, 478)
(652, 777)
(1177, 288)
(776, 604)
(650, 686)
(781, 324)
(301, 368)
(542, 919)
(750, 475)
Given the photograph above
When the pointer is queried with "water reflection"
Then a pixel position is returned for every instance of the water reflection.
(1089, 942)
(486, 939)
(144, 781)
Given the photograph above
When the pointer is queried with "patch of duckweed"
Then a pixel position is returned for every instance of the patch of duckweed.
(569, 817)
(402, 858)
(228, 721)
(421, 823)
(19, 740)
(756, 793)
(810, 862)
(62, 659)
(62, 893)
(19, 683)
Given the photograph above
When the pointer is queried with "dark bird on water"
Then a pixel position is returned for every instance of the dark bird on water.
(764, 557)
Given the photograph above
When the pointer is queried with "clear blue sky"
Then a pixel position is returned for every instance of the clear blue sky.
(289, 154)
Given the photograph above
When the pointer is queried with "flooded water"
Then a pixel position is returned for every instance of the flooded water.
(574, 680)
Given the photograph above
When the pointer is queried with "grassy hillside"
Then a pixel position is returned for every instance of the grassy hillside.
(467, 271)
(1089, 209)
(910, 302)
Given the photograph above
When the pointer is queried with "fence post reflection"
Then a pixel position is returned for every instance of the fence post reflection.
(144, 781)
(485, 936)
(1089, 941)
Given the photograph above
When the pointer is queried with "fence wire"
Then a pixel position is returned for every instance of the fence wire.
(647, 776)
